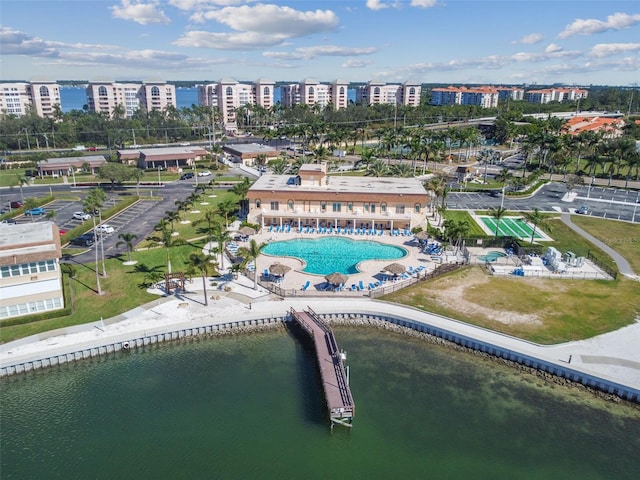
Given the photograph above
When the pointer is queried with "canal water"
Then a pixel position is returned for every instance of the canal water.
(251, 407)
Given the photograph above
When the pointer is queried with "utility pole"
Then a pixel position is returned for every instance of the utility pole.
(133, 132)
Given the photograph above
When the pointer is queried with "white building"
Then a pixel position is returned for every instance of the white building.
(104, 97)
(30, 277)
(547, 95)
(20, 97)
(486, 97)
(311, 92)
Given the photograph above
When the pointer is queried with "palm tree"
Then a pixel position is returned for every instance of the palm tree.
(92, 202)
(201, 263)
(221, 236)
(23, 182)
(537, 219)
(168, 241)
(171, 216)
(402, 170)
(378, 168)
(127, 240)
(251, 253)
(226, 208)
(498, 214)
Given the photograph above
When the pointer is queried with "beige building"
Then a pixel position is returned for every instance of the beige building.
(58, 167)
(168, 158)
(21, 97)
(311, 92)
(228, 95)
(374, 92)
(104, 97)
(30, 277)
(316, 200)
(250, 154)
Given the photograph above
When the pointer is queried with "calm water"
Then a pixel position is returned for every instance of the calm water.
(251, 407)
(326, 255)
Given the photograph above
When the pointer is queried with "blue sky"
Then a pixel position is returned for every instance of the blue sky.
(451, 41)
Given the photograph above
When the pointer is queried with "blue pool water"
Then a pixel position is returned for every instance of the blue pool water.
(333, 254)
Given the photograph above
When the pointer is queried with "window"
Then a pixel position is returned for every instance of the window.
(341, 90)
(290, 205)
(155, 92)
(323, 206)
(337, 207)
(416, 208)
(102, 92)
(399, 208)
(366, 207)
(275, 206)
(44, 91)
(350, 207)
(383, 207)
(412, 91)
(266, 91)
(258, 203)
(229, 92)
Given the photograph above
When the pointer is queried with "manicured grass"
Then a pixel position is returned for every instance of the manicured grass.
(567, 309)
(621, 236)
(463, 216)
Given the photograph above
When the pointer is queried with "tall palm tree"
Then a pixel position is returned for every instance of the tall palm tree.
(498, 214)
(221, 236)
(537, 219)
(171, 216)
(201, 263)
(251, 253)
(127, 239)
(378, 168)
(92, 202)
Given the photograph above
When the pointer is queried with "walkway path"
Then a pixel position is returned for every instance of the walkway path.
(621, 262)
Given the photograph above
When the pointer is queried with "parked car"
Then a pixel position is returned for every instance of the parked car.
(583, 210)
(105, 228)
(62, 231)
(205, 173)
(34, 212)
(8, 221)
(16, 204)
(93, 149)
(185, 144)
(186, 176)
(79, 148)
(81, 216)
(85, 240)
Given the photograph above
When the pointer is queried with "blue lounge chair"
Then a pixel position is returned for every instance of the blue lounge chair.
(270, 228)
(266, 274)
(372, 286)
(361, 285)
(354, 287)
(306, 285)
(380, 233)
(340, 287)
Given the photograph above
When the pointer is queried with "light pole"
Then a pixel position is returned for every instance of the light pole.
(502, 198)
(159, 182)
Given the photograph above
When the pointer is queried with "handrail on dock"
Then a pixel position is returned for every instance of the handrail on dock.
(334, 377)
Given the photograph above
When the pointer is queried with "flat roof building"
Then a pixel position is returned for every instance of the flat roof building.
(68, 165)
(30, 277)
(43, 98)
(110, 97)
(166, 157)
(315, 199)
(250, 154)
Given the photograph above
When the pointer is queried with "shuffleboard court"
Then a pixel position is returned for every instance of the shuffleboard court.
(516, 227)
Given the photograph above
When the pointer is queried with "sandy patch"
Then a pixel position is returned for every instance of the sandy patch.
(451, 295)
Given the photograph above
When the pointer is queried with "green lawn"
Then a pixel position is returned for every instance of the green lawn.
(462, 216)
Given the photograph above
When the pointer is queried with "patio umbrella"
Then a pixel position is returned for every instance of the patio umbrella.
(395, 268)
(246, 230)
(278, 269)
(336, 278)
(422, 235)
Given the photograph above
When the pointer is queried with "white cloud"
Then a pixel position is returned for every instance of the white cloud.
(204, 4)
(273, 19)
(617, 21)
(15, 42)
(530, 39)
(355, 63)
(423, 3)
(307, 53)
(142, 13)
(229, 41)
(376, 5)
(608, 49)
(553, 48)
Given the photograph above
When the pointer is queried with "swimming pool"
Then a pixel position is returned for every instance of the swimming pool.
(327, 255)
(491, 256)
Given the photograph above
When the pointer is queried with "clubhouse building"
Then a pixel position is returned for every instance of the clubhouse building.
(316, 200)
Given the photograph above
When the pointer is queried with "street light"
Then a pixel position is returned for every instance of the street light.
(159, 182)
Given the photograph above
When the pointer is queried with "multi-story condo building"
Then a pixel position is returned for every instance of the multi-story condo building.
(43, 98)
(547, 95)
(228, 95)
(104, 97)
(379, 92)
(30, 277)
(510, 93)
(311, 92)
(314, 199)
(486, 97)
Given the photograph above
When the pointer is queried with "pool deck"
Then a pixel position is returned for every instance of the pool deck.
(369, 270)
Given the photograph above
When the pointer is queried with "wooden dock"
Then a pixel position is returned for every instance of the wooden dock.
(330, 362)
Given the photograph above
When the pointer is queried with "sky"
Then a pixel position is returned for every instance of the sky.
(572, 42)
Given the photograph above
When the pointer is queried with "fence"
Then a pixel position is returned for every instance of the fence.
(611, 272)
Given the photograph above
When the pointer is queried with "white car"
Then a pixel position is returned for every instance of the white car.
(105, 228)
(206, 173)
(81, 216)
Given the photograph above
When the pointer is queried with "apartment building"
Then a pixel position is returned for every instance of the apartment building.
(375, 92)
(486, 97)
(30, 276)
(43, 98)
(315, 199)
(311, 92)
(510, 93)
(547, 95)
(105, 96)
(229, 95)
